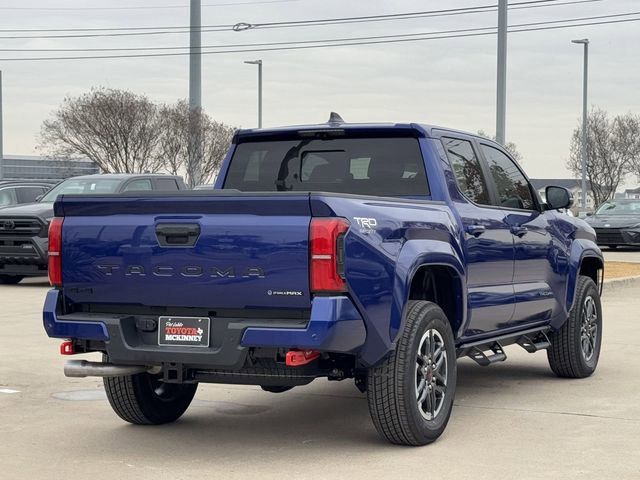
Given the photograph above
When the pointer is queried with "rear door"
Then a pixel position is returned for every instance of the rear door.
(488, 244)
(533, 275)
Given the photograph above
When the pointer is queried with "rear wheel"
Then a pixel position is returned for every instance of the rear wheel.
(10, 279)
(275, 389)
(411, 393)
(143, 399)
(575, 348)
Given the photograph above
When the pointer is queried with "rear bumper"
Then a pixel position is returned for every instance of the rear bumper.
(335, 326)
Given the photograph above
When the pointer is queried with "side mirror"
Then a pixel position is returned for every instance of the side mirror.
(558, 197)
(589, 214)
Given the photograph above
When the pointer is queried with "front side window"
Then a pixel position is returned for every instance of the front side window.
(138, 185)
(511, 185)
(467, 169)
(30, 194)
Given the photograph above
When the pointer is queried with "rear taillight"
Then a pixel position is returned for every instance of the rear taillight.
(55, 252)
(327, 254)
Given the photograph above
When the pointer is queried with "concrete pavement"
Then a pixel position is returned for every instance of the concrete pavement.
(622, 255)
(512, 420)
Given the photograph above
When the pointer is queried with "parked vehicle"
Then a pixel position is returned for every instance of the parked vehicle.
(13, 192)
(23, 228)
(617, 223)
(377, 252)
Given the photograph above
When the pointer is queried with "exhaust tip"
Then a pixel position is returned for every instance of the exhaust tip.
(84, 368)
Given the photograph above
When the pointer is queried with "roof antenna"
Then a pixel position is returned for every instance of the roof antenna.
(335, 118)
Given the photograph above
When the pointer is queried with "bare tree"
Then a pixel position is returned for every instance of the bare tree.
(215, 140)
(613, 148)
(510, 147)
(119, 130)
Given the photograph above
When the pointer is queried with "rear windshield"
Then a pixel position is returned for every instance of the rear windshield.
(363, 166)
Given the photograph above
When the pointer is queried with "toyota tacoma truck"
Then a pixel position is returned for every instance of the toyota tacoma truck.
(380, 253)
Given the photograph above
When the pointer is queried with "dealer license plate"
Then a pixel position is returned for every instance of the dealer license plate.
(183, 331)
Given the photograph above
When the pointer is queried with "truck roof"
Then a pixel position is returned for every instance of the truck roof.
(413, 129)
(123, 176)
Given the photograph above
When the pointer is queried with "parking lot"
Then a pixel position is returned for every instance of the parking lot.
(512, 420)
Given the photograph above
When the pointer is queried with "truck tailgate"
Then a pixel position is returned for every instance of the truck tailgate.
(214, 251)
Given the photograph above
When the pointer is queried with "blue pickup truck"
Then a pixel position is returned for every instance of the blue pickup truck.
(375, 252)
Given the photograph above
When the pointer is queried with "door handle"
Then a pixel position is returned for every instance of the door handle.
(519, 230)
(476, 230)
(177, 234)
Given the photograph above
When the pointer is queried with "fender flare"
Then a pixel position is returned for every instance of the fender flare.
(414, 255)
(580, 249)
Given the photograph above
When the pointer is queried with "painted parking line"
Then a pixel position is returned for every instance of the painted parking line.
(8, 390)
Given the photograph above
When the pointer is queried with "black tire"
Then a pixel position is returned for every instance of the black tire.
(274, 389)
(567, 355)
(10, 279)
(393, 386)
(143, 399)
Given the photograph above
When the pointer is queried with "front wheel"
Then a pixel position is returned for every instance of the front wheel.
(575, 348)
(411, 393)
(143, 399)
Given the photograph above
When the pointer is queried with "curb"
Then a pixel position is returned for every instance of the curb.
(617, 283)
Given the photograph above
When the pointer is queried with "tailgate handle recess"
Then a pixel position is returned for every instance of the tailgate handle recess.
(177, 234)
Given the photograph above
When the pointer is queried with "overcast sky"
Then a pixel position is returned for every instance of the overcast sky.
(449, 82)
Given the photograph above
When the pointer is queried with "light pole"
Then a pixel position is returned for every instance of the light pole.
(195, 92)
(585, 43)
(501, 83)
(259, 64)
(1, 146)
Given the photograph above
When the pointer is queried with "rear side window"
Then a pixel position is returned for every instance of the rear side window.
(511, 185)
(364, 166)
(467, 169)
(166, 184)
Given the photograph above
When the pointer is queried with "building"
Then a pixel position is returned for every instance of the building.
(22, 167)
(573, 185)
(631, 193)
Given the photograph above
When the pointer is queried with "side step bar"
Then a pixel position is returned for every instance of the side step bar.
(481, 358)
(536, 343)
(488, 352)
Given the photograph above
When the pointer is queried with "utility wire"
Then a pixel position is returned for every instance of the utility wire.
(141, 31)
(147, 7)
(300, 42)
(434, 36)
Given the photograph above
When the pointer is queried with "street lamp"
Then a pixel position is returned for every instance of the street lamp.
(259, 63)
(585, 42)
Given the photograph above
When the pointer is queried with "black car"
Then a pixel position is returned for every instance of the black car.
(617, 223)
(24, 228)
(13, 192)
